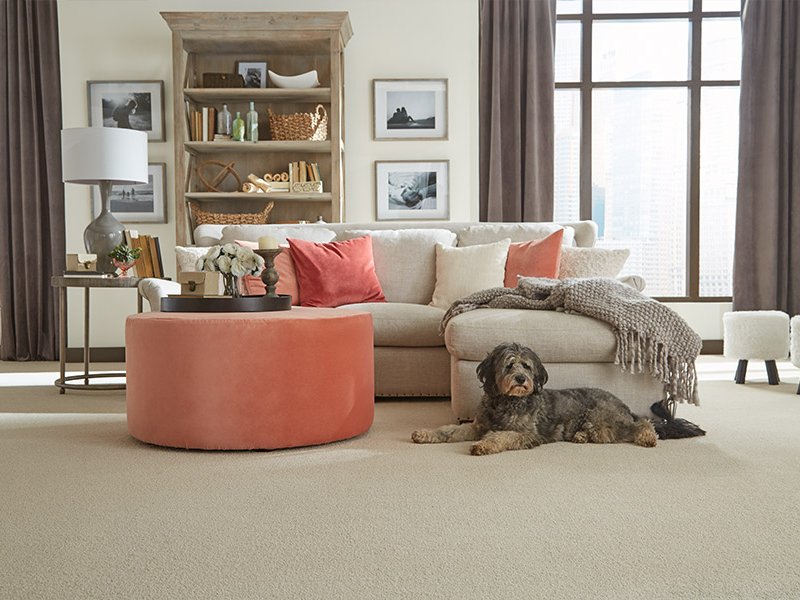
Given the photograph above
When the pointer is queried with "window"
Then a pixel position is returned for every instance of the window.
(646, 135)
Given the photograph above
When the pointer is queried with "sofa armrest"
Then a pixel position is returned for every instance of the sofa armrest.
(155, 289)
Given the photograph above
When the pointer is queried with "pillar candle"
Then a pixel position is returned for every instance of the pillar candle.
(267, 242)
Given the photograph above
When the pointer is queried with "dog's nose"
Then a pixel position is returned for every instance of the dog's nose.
(520, 379)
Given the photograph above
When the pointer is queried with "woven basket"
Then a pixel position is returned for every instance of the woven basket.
(203, 217)
(299, 126)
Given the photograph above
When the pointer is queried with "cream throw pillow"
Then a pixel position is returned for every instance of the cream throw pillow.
(188, 256)
(405, 260)
(463, 271)
(592, 262)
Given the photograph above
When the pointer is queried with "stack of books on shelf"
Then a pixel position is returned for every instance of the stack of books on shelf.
(201, 124)
(304, 177)
(303, 171)
(149, 264)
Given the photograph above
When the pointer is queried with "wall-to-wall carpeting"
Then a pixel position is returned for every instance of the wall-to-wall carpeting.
(88, 512)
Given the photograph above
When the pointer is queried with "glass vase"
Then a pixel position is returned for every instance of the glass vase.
(231, 285)
(123, 266)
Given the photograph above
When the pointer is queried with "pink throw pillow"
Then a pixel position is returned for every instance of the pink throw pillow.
(539, 258)
(336, 273)
(253, 285)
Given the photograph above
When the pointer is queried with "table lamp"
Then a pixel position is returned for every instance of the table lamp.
(104, 156)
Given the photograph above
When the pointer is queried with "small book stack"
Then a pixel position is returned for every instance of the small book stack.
(201, 123)
(304, 177)
(303, 171)
(149, 264)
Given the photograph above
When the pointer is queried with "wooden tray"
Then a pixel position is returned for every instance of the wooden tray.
(244, 304)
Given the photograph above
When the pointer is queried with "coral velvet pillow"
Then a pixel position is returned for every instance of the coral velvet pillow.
(336, 273)
(538, 258)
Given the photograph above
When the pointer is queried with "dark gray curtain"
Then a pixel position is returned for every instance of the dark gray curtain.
(32, 244)
(517, 84)
(766, 274)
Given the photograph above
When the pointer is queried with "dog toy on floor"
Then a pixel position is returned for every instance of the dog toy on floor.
(517, 413)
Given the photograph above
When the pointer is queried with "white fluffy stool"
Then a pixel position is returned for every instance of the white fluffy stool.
(794, 350)
(756, 334)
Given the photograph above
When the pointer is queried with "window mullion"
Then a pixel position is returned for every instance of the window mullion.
(693, 208)
(585, 186)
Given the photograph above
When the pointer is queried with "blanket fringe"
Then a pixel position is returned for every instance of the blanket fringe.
(637, 352)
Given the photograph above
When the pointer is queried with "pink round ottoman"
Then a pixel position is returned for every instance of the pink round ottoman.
(226, 381)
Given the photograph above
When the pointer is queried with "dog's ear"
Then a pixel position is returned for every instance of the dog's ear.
(487, 372)
(539, 372)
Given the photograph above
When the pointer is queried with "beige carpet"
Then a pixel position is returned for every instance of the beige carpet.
(88, 512)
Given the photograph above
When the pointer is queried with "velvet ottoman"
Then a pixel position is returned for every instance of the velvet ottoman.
(228, 381)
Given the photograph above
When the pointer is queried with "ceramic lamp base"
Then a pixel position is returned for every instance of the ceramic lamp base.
(105, 232)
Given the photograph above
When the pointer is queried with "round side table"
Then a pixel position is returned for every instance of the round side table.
(62, 282)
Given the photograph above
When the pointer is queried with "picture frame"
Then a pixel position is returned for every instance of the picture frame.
(254, 73)
(409, 109)
(135, 105)
(412, 190)
(139, 202)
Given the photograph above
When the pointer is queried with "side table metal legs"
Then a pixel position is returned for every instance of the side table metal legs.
(62, 335)
(86, 336)
(63, 382)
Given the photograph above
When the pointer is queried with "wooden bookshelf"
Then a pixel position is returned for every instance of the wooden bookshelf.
(290, 43)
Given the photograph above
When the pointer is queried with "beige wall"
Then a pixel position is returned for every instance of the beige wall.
(128, 40)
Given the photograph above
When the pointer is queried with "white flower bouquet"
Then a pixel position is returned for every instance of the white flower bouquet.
(231, 259)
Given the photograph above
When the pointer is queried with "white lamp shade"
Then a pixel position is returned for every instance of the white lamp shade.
(90, 155)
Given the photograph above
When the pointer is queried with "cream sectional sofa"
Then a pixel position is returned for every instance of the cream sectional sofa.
(411, 357)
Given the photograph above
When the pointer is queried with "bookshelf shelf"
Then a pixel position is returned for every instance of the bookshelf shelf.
(257, 147)
(261, 96)
(276, 196)
(289, 43)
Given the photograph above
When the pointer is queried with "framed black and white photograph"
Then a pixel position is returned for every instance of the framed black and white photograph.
(139, 202)
(135, 105)
(410, 109)
(408, 189)
(254, 73)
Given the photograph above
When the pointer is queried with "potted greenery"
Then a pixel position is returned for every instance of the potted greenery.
(124, 257)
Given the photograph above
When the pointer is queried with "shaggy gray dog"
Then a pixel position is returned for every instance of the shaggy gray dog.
(516, 413)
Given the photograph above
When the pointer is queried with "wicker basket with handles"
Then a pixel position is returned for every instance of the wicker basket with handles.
(204, 217)
(312, 126)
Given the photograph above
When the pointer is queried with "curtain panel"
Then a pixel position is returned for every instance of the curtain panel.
(517, 87)
(32, 246)
(766, 273)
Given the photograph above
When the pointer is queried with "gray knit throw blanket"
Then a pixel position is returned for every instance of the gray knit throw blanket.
(649, 334)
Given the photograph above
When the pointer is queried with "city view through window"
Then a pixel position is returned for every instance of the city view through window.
(643, 83)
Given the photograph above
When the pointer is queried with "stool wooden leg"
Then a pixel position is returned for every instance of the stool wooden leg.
(798, 388)
(741, 371)
(772, 372)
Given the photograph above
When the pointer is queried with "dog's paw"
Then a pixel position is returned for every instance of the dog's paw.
(421, 436)
(483, 448)
(581, 437)
(646, 437)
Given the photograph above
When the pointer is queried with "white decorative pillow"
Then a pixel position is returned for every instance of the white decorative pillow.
(405, 260)
(516, 232)
(592, 262)
(462, 271)
(188, 256)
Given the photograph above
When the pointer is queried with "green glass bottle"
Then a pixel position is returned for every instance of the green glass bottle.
(252, 124)
(238, 128)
